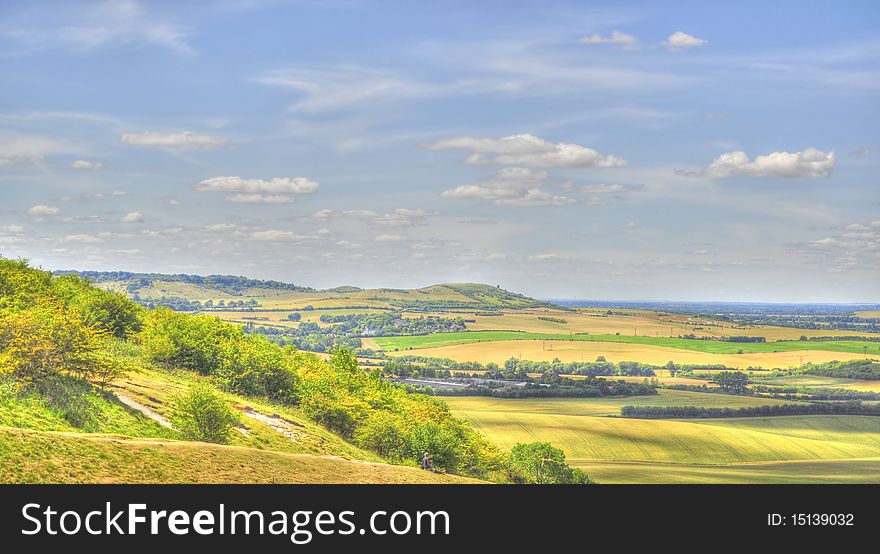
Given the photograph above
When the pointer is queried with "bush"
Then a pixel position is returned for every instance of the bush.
(203, 414)
(542, 464)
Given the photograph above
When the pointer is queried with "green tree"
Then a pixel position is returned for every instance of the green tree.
(540, 463)
(734, 382)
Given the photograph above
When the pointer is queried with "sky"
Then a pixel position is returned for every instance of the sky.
(590, 150)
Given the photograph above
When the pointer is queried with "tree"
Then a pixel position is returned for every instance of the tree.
(542, 464)
(734, 382)
(203, 414)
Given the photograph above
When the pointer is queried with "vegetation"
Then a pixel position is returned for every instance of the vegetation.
(866, 370)
(53, 331)
(229, 284)
(540, 463)
(825, 408)
(204, 415)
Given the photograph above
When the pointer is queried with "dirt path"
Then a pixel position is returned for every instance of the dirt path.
(277, 423)
(135, 405)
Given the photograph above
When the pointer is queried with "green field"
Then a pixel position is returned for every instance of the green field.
(708, 346)
(683, 448)
(819, 472)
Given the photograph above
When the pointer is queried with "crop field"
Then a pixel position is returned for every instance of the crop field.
(856, 471)
(573, 351)
(827, 447)
(641, 322)
(606, 406)
(709, 346)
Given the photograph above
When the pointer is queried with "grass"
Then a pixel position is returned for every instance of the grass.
(859, 471)
(51, 457)
(605, 406)
(590, 438)
(708, 346)
(105, 415)
(580, 350)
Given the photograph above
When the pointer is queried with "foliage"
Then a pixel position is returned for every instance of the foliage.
(732, 382)
(825, 408)
(542, 464)
(203, 414)
(865, 370)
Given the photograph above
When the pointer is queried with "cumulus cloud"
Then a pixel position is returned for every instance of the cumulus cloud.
(623, 40)
(389, 238)
(808, 163)
(83, 164)
(276, 235)
(277, 185)
(119, 193)
(259, 199)
(181, 139)
(512, 186)
(42, 210)
(398, 217)
(680, 41)
(852, 247)
(527, 150)
(133, 217)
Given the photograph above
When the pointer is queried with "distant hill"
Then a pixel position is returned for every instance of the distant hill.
(195, 292)
(229, 284)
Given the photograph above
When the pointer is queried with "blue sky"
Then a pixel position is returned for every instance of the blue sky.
(626, 150)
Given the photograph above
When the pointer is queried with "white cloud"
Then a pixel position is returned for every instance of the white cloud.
(259, 199)
(398, 217)
(809, 163)
(277, 185)
(12, 228)
(527, 150)
(220, 227)
(83, 164)
(625, 41)
(276, 235)
(181, 139)
(389, 238)
(603, 188)
(42, 210)
(679, 41)
(82, 239)
(133, 217)
(119, 193)
(512, 186)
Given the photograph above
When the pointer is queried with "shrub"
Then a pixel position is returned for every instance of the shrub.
(541, 463)
(203, 414)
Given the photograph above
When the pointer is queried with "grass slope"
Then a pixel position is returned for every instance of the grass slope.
(52, 457)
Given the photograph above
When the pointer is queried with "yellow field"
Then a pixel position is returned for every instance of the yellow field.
(571, 351)
(635, 322)
(868, 313)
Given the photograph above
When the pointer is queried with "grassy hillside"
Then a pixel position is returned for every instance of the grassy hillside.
(53, 457)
